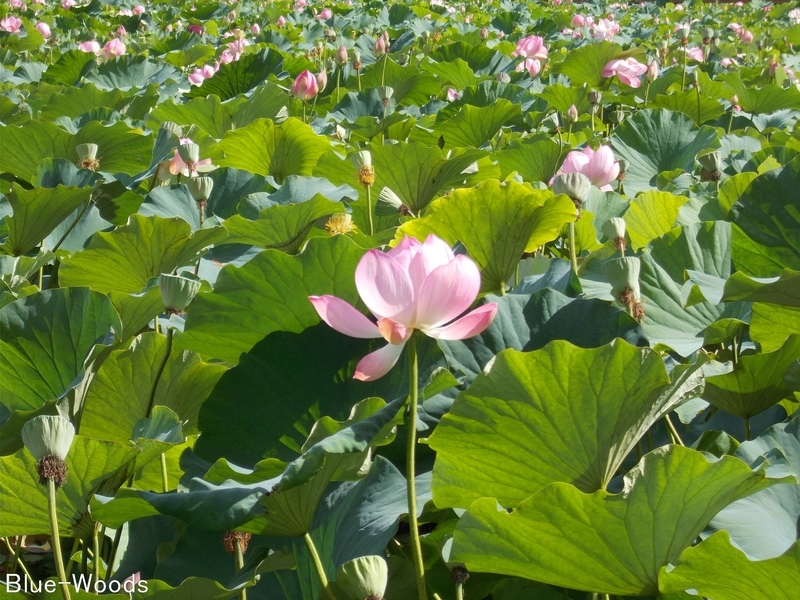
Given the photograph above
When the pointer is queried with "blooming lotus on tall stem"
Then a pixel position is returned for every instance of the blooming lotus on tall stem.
(413, 287)
(627, 71)
(305, 87)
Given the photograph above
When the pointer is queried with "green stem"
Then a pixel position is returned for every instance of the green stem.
(383, 72)
(323, 579)
(159, 372)
(459, 591)
(304, 111)
(698, 107)
(358, 77)
(72, 226)
(369, 210)
(338, 83)
(672, 431)
(730, 121)
(239, 557)
(71, 558)
(113, 555)
(15, 554)
(411, 453)
(164, 475)
(55, 538)
(41, 276)
(747, 428)
(573, 258)
(646, 93)
(96, 557)
(683, 77)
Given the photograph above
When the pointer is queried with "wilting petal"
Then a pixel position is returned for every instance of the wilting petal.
(434, 253)
(377, 364)
(471, 324)
(384, 286)
(447, 292)
(343, 317)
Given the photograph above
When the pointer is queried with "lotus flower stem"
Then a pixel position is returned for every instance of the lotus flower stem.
(369, 210)
(672, 431)
(113, 554)
(747, 435)
(164, 473)
(338, 82)
(411, 453)
(683, 77)
(14, 553)
(459, 591)
(56, 538)
(323, 579)
(239, 558)
(699, 120)
(159, 372)
(96, 551)
(646, 93)
(573, 258)
(71, 561)
(383, 72)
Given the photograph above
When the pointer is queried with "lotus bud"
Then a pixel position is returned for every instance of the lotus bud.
(366, 172)
(177, 291)
(484, 33)
(574, 185)
(189, 153)
(572, 114)
(623, 275)
(617, 115)
(696, 79)
(594, 97)
(361, 578)
(48, 438)
(614, 229)
(322, 80)
(236, 538)
(711, 163)
(503, 77)
(340, 224)
(173, 128)
(652, 71)
(87, 156)
(341, 56)
(380, 47)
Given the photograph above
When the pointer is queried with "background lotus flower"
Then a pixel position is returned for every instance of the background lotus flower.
(605, 29)
(413, 286)
(305, 86)
(599, 166)
(746, 36)
(322, 80)
(113, 49)
(627, 71)
(44, 29)
(578, 21)
(11, 24)
(696, 54)
(281, 21)
(326, 14)
(67, 4)
(532, 65)
(453, 95)
(531, 47)
(90, 46)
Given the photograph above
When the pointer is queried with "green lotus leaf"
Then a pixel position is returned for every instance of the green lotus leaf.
(263, 148)
(534, 161)
(783, 290)
(456, 72)
(77, 101)
(657, 140)
(651, 215)
(771, 324)
(601, 542)
(45, 340)
(70, 68)
(517, 417)
(410, 85)
(716, 569)
(496, 222)
(756, 382)
(584, 65)
(700, 107)
(471, 126)
(130, 71)
(125, 259)
(94, 466)
(761, 100)
(240, 76)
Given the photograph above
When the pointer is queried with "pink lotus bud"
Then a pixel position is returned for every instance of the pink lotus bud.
(281, 21)
(232, 15)
(652, 71)
(15, 3)
(341, 56)
(532, 65)
(138, 9)
(572, 114)
(326, 14)
(453, 95)
(484, 33)
(322, 80)
(746, 36)
(255, 29)
(305, 86)
(195, 29)
(67, 4)
(44, 29)
(578, 21)
(121, 31)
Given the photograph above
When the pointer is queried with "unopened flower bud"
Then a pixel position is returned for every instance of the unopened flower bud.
(341, 56)
(322, 80)
(484, 33)
(572, 114)
(594, 97)
(652, 71)
(617, 116)
(364, 577)
(177, 291)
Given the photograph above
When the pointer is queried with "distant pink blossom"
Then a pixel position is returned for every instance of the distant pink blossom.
(11, 24)
(113, 49)
(255, 29)
(531, 47)
(696, 54)
(746, 36)
(124, 12)
(326, 14)
(281, 21)
(605, 29)
(305, 86)
(90, 46)
(578, 21)
(727, 62)
(627, 71)
(197, 76)
(735, 27)
(453, 95)
(599, 166)
(138, 9)
(121, 31)
(44, 29)
(195, 28)
(67, 4)
(15, 3)
(532, 65)
(226, 57)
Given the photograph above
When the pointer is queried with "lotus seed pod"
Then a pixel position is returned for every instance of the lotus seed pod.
(190, 153)
(177, 291)
(614, 229)
(711, 161)
(48, 435)
(200, 188)
(385, 93)
(623, 275)
(86, 151)
(503, 78)
(574, 185)
(617, 116)
(389, 203)
(708, 34)
(173, 128)
(361, 578)
(594, 97)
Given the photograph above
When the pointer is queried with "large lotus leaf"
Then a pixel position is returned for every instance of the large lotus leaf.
(206, 112)
(716, 569)
(584, 65)
(172, 201)
(131, 71)
(455, 72)
(201, 588)
(783, 290)
(703, 247)
(281, 227)
(533, 161)
(482, 60)
(496, 222)
(657, 140)
(529, 321)
(700, 107)
(756, 382)
(230, 187)
(37, 212)
(77, 101)
(762, 100)
(45, 339)
(263, 148)
(226, 322)
(518, 418)
(764, 525)
(240, 76)
(472, 126)
(120, 148)
(561, 98)
(410, 85)
(136, 310)
(94, 466)
(770, 325)
(766, 238)
(129, 380)
(607, 543)
(70, 68)
(651, 215)
(125, 259)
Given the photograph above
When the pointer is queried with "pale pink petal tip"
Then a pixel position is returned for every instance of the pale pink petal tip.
(377, 364)
(343, 317)
(469, 325)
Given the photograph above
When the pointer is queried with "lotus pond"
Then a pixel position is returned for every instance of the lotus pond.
(414, 300)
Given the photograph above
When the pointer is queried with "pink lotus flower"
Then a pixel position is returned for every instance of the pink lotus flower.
(255, 29)
(11, 24)
(413, 286)
(627, 71)
(67, 4)
(600, 166)
(696, 54)
(15, 3)
(281, 21)
(735, 27)
(121, 31)
(728, 62)
(196, 29)
(197, 76)
(113, 49)
(124, 12)
(605, 29)
(531, 47)
(532, 65)
(226, 57)
(453, 95)
(44, 29)
(746, 36)
(326, 14)
(90, 46)
(305, 86)
(381, 45)
(138, 9)
(322, 80)
(578, 21)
